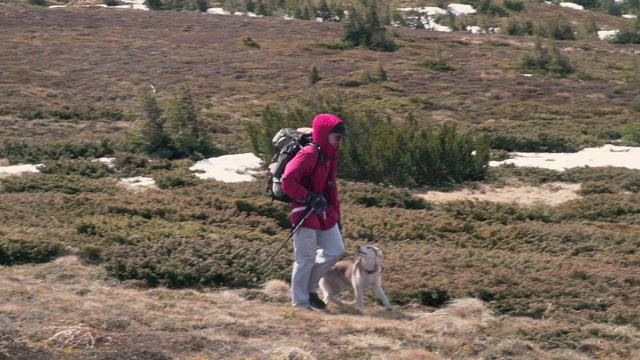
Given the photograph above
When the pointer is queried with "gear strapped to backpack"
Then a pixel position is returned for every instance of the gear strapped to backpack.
(287, 142)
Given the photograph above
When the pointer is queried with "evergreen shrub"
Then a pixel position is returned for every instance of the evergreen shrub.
(20, 251)
(88, 168)
(22, 151)
(175, 133)
(190, 262)
(66, 184)
(381, 151)
(174, 178)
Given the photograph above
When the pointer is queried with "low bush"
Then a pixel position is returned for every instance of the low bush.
(67, 184)
(18, 251)
(378, 196)
(603, 207)
(548, 60)
(88, 168)
(514, 5)
(541, 142)
(181, 262)
(19, 151)
(436, 65)
(632, 134)
(174, 178)
(382, 151)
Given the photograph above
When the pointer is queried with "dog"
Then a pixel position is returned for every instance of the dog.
(360, 274)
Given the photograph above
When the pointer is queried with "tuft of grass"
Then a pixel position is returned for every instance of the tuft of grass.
(435, 65)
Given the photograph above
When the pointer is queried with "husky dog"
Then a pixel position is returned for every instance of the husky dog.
(359, 274)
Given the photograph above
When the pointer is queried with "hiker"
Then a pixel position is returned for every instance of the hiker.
(310, 180)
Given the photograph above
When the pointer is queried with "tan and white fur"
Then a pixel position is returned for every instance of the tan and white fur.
(361, 274)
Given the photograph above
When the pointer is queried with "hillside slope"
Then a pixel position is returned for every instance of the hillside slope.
(83, 66)
(66, 310)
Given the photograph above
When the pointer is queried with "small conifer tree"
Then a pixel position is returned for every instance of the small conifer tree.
(151, 138)
(314, 76)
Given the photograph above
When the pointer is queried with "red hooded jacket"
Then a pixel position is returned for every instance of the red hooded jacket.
(308, 173)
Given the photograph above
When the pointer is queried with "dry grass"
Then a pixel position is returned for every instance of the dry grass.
(90, 70)
(48, 301)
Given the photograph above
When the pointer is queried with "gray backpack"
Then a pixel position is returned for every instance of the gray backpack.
(287, 143)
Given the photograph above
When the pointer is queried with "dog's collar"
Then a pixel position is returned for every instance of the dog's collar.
(359, 264)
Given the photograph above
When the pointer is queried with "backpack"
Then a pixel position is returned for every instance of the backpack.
(287, 143)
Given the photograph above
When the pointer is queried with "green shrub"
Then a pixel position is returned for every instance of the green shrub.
(19, 151)
(628, 34)
(603, 207)
(248, 41)
(67, 184)
(88, 168)
(547, 60)
(91, 253)
(17, 251)
(278, 213)
(593, 187)
(632, 134)
(181, 262)
(436, 65)
(175, 178)
(374, 195)
(516, 26)
(513, 5)
(153, 4)
(179, 133)
(382, 151)
(542, 142)
(314, 77)
(362, 27)
(555, 28)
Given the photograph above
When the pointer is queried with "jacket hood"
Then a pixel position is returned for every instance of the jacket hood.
(322, 125)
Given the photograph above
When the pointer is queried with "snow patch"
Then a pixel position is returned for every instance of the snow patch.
(228, 168)
(571, 5)
(608, 155)
(461, 9)
(19, 169)
(607, 34)
(138, 181)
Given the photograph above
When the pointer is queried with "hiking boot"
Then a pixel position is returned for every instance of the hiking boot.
(315, 301)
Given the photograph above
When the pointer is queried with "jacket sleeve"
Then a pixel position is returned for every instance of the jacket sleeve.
(296, 170)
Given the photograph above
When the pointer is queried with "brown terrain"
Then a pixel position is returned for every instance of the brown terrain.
(72, 74)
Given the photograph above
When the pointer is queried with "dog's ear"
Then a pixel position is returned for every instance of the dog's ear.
(378, 251)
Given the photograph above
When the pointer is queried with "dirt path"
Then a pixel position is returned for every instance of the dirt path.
(548, 194)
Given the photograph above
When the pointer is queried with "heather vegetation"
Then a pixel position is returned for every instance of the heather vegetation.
(549, 280)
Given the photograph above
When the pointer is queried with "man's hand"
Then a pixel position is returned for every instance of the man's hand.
(317, 201)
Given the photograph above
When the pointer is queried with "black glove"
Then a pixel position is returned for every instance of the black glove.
(317, 201)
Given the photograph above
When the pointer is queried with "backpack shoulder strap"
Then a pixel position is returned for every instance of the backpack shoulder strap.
(321, 157)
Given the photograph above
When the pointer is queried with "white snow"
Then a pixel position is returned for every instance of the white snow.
(128, 4)
(138, 181)
(217, 11)
(630, 16)
(228, 168)
(571, 5)
(19, 169)
(427, 10)
(608, 155)
(461, 9)
(110, 162)
(607, 34)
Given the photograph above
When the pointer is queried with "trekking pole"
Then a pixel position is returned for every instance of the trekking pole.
(295, 228)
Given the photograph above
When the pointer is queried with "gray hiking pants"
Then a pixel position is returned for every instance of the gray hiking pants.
(316, 252)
